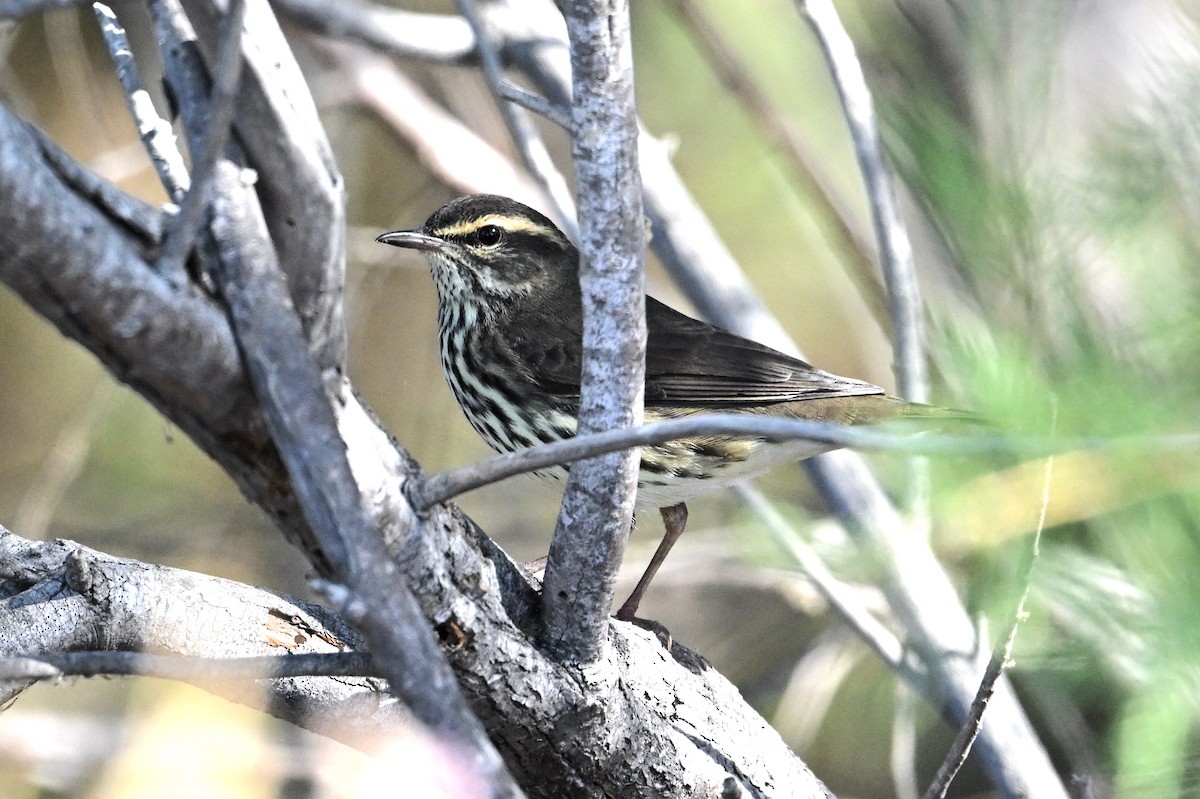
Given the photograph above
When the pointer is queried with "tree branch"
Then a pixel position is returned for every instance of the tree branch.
(895, 250)
(217, 116)
(186, 669)
(302, 423)
(533, 152)
(813, 181)
(60, 597)
(589, 538)
(86, 271)
(442, 486)
(155, 132)
(301, 192)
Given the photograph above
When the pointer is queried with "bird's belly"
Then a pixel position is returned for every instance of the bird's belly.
(667, 479)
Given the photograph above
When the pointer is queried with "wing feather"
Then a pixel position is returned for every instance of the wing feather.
(690, 363)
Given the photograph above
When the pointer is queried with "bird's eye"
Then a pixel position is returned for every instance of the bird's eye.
(489, 235)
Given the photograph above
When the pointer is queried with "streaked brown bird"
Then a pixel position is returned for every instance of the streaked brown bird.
(510, 326)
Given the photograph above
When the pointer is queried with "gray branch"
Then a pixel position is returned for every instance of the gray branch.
(61, 597)
(172, 667)
(302, 193)
(155, 132)
(208, 143)
(593, 525)
(895, 249)
(291, 392)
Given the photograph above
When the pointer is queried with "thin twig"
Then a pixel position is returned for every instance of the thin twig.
(895, 249)
(155, 132)
(537, 104)
(880, 639)
(176, 667)
(529, 144)
(439, 487)
(226, 72)
(814, 183)
(1000, 660)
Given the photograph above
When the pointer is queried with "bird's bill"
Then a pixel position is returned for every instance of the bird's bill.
(413, 240)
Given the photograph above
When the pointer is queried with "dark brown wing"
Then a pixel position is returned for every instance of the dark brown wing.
(688, 362)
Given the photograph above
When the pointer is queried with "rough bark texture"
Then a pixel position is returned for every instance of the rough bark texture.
(593, 526)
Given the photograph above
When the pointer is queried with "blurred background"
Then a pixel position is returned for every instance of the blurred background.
(1048, 152)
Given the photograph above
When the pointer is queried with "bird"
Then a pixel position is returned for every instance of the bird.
(510, 333)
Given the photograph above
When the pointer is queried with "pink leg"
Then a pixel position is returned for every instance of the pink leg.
(674, 519)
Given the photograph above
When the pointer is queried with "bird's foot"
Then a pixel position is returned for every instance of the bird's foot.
(657, 628)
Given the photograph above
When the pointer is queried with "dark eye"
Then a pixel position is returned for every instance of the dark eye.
(489, 235)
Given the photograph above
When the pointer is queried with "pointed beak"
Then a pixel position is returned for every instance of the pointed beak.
(413, 240)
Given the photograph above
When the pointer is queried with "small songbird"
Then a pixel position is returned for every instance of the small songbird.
(510, 326)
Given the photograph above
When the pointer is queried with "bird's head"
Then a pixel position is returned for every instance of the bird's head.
(486, 246)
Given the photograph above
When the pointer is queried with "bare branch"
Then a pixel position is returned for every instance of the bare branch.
(220, 106)
(543, 714)
(537, 104)
(186, 669)
(144, 220)
(291, 391)
(155, 132)
(1000, 660)
(589, 538)
(442, 486)
(895, 250)
(813, 180)
(532, 150)
(302, 193)
(120, 308)
(57, 597)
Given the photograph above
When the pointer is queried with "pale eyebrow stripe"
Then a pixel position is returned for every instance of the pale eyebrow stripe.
(511, 224)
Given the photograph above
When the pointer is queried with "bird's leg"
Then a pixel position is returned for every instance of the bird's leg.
(674, 519)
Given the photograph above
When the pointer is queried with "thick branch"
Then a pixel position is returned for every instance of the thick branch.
(589, 540)
(292, 394)
(64, 597)
(301, 191)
